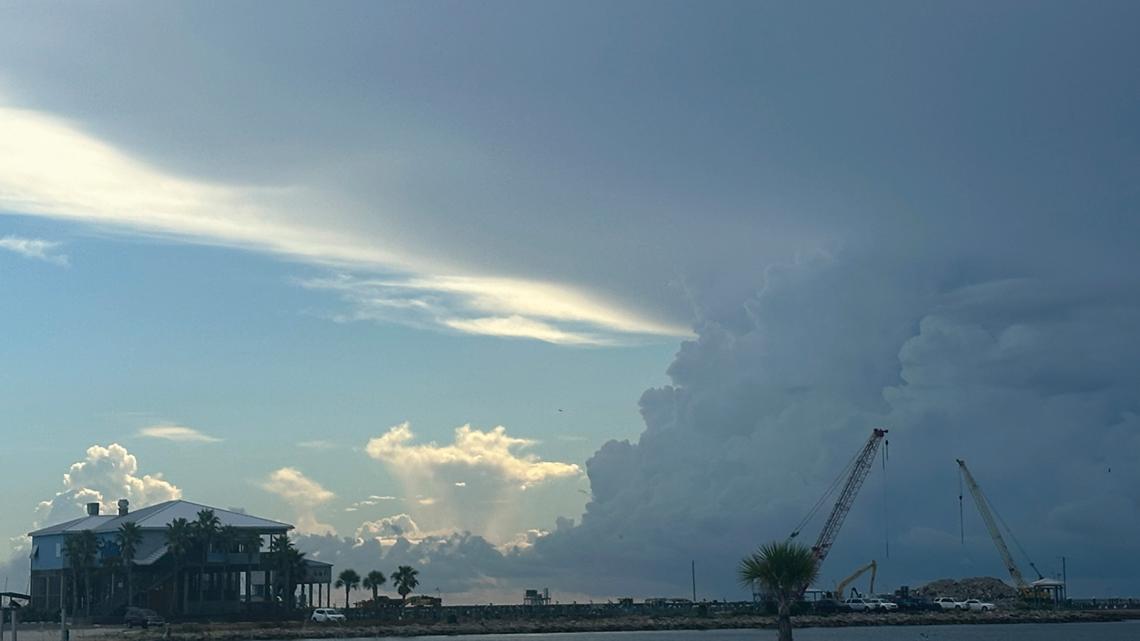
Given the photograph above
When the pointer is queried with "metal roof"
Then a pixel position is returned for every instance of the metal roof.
(157, 517)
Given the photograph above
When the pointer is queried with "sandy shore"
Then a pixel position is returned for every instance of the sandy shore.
(288, 631)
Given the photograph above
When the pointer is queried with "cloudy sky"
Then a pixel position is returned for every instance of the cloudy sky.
(570, 294)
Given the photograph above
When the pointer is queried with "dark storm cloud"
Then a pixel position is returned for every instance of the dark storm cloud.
(920, 217)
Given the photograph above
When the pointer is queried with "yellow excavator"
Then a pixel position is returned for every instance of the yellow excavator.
(841, 587)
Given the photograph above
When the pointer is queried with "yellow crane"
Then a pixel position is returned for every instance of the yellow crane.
(841, 587)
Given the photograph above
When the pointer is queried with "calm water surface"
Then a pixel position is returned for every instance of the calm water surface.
(1126, 631)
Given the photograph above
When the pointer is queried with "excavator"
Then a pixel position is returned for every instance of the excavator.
(1026, 589)
(841, 587)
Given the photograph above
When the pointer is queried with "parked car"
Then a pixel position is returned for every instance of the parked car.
(979, 606)
(882, 604)
(327, 615)
(858, 605)
(142, 617)
(948, 603)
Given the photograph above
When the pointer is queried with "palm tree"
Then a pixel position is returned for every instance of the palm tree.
(349, 580)
(251, 543)
(129, 537)
(82, 550)
(294, 571)
(71, 549)
(206, 528)
(373, 581)
(280, 547)
(784, 569)
(228, 537)
(179, 539)
(405, 580)
(111, 565)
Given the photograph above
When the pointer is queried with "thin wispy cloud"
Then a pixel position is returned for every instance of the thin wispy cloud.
(502, 307)
(319, 444)
(34, 248)
(177, 433)
(50, 168)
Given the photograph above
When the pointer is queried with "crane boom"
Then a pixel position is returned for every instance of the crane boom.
(860, 468)
(992, 526)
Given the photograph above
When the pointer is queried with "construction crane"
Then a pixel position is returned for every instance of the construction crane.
(856, 473)
(841, 587)
(988, 513)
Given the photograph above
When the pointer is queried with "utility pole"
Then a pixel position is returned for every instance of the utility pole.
(1064, 581)
(62, 608)
(694, 573)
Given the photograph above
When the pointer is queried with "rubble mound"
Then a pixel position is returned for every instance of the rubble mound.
(986, 588)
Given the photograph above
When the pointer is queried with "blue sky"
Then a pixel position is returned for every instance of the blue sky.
(146, 333)
(686, 254)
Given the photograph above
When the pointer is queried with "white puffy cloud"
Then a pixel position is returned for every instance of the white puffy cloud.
(178, 433)
(390, 528)
(105, 475)
(303, 494)
(477, 483)
(493, 451)
(34, 248)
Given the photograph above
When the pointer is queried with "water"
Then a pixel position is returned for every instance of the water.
(1124, 631)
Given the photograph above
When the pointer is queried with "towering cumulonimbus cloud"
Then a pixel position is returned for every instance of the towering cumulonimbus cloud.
(1030, 379)
(105, 475)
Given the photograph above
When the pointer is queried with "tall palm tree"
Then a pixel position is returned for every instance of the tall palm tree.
(179, 540)
(228, 537)
(111, 565)
(281, 547)
(82, 553)
(349, 580)
(373, 581)
(294, 572)
(129, 536)
(71, 550)
(251, 543)
(784, 569)
(405, 580)
(206, 528)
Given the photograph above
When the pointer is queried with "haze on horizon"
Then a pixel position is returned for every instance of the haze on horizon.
(569, 294)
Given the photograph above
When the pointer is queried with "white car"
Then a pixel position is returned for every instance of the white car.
(979, 606)
(327, 615)
(881, 604)
(858, 605)
(948, 603)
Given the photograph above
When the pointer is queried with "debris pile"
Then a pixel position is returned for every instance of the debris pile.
(985, 588)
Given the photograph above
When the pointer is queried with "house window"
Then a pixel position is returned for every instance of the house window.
(58, 550)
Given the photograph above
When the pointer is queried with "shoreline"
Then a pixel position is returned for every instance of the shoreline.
(297, 631)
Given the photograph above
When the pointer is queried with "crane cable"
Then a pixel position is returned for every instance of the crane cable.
(886, 503)
(961, 509)
(839, 480)
(1010, 533)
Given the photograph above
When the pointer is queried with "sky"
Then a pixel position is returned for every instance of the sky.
(569, 295)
